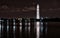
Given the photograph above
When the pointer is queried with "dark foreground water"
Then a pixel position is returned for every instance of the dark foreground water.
(13, 28)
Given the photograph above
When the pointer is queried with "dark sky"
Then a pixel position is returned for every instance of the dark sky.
(27, 8)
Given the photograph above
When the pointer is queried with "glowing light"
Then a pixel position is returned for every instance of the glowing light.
(20, 26)
(38, 23)
(29, 27)
(38, 27)
(38, 16)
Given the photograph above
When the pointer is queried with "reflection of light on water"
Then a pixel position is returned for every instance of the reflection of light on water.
(14, 28)
(29, 27)
(20, 27)
(7, 27)
(46, 28)
(25, 23)
(26, 26)
(20, 23)
(41, 27)
(14, 25)
(0, 27)
(38, 25)
(0, 30)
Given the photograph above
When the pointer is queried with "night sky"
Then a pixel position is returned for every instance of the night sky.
(27, 8)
